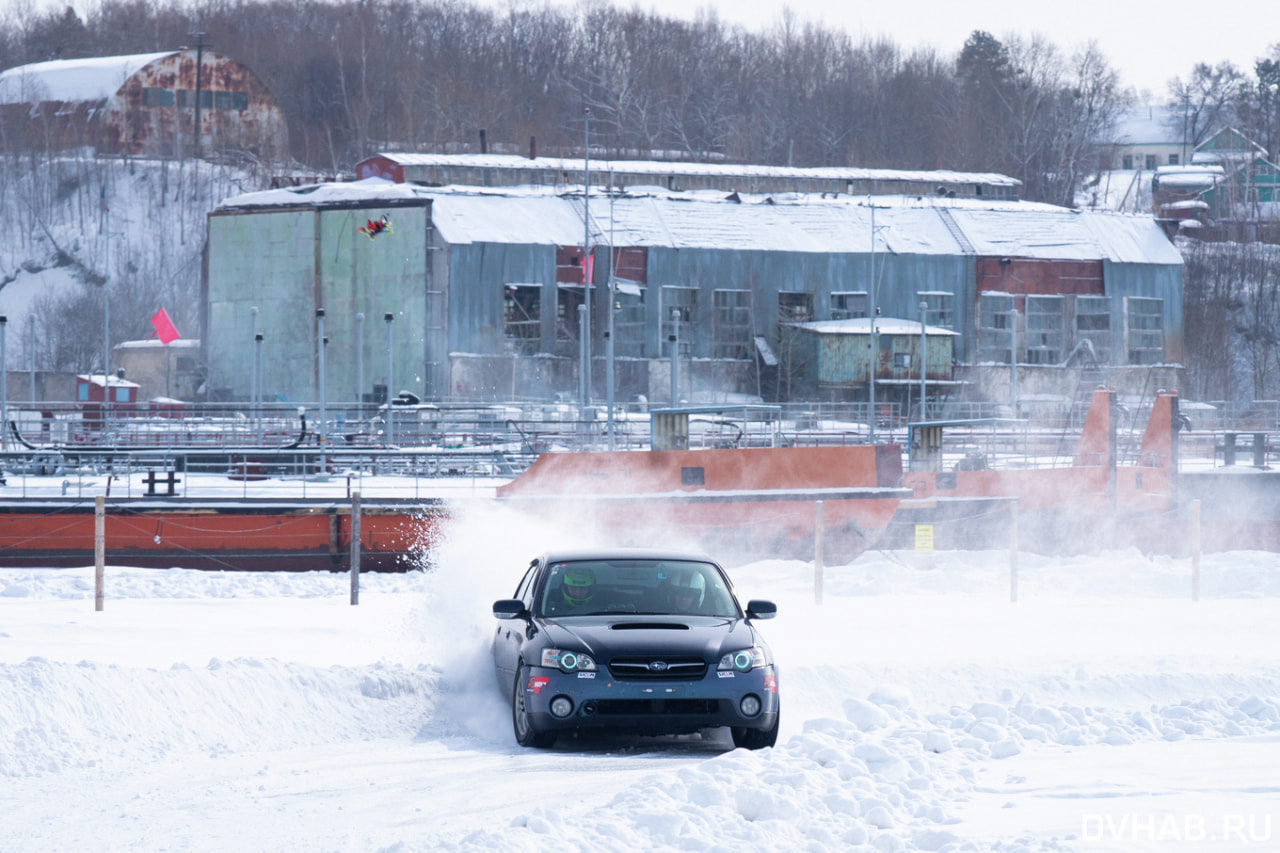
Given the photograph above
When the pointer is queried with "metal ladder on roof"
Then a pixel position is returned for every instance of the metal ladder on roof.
(954, 227)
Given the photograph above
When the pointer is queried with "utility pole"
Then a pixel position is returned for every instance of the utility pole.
(200, 46)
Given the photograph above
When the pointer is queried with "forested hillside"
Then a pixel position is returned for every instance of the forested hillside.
(358, 77)
(354, 77)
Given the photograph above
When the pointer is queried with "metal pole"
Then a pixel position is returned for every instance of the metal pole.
(106, 337)
(355, 548)
(582, 361)
(586, 257)
(99, 548)
(31, 354)
(871, 365)
(253, 362)
(389, 318)
(871, 378)
(1013, 361)
(257, 400)
(924, 355)
(608, 341)
(320, 377)
(608, 335)
(360, 363)
(675, 357)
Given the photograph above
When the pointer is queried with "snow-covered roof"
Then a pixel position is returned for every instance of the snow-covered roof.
(1148, 125)
(154, 343)
(1189, 178)
(664, 168)
(777, 223)
(72, 80)
(113, 381)
(370, 190)
(862, 326)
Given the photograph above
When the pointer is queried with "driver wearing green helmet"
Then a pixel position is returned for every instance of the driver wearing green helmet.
(578, 585)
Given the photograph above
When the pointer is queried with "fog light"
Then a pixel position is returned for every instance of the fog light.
(750, 705)
(562, 706)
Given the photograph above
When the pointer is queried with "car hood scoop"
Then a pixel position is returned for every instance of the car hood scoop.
(649, 626)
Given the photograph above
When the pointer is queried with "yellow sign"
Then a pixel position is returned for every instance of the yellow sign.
(924, 538)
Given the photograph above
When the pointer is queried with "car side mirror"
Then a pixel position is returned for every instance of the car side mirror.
(508, 608)
(758, 608)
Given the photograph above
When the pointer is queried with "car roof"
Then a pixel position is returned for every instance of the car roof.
(573, 554)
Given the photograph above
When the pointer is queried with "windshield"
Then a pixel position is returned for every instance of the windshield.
(677, 587)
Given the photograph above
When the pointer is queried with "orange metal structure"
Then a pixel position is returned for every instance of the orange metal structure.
(757, 502)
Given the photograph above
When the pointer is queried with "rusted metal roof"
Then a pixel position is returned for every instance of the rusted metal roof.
(72, 80)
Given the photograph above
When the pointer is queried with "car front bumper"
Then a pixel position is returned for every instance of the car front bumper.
(651, 705)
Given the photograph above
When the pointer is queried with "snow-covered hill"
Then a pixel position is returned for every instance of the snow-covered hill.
(76, 221)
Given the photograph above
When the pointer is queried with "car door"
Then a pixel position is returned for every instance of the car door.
(511, 632)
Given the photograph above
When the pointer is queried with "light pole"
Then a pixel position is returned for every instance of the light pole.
(257, 367)
(31, 355)
(360, 363)
(321, 379)
(389, 318)
(675, 357)
(871, 377)
(613, 309)
(924, 354)
(582, 360)
(253, 362)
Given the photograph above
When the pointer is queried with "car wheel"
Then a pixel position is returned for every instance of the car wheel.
(745, 738)
(526, 734)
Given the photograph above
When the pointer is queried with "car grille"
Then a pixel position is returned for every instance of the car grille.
(646, 707)
(671, 669)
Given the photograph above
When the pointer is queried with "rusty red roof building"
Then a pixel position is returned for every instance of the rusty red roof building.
(142, 105)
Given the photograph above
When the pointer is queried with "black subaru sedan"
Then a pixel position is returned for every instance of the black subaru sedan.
(652, 642)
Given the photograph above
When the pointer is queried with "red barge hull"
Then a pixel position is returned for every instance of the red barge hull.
(235, 535)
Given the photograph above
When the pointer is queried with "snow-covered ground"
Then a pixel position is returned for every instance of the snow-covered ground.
(923, 710)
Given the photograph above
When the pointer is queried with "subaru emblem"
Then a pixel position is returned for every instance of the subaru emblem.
(658, 665)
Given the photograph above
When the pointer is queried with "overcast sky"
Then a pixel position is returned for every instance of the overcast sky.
(1147, 43)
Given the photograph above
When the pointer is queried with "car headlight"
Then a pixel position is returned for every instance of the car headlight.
(744, 660)
(568, 661)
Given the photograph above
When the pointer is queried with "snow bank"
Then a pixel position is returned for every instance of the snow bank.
(906, 695)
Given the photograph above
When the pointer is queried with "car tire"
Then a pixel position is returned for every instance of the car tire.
(745, 738)
(521, 725)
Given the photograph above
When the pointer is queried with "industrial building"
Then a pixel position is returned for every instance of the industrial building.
(475, 293)
(142, 105)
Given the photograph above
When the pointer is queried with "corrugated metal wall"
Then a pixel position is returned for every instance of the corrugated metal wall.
(287, 264)
(898, 279)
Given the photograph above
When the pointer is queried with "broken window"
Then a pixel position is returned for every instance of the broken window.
(795, 306)
(731, 329)
(679, 304)
(1044, 329)
(522, 318)
(996, 328)
(939, 308)
(848, 305)
(1144, 330)
(1093, 325)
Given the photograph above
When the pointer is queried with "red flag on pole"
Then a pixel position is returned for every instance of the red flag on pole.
(165, 330)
